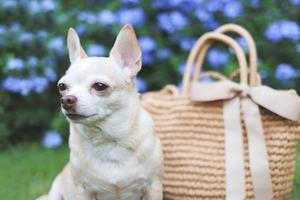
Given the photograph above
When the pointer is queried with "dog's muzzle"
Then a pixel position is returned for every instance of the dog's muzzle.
(68, 102)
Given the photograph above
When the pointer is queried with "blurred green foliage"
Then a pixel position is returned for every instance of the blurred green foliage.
(33, 50)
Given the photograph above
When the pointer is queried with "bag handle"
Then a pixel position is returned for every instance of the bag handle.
(213, 74)
(254, 77)
(251, 46)
(237, 73)
(198, 47)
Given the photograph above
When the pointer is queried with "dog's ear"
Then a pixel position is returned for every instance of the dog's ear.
(126, 50)
(74, 47)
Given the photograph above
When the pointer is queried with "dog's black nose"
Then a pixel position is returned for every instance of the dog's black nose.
(68, 102)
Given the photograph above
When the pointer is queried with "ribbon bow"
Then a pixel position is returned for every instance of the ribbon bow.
(283, 103)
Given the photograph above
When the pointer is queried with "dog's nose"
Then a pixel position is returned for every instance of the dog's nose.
(68, 102)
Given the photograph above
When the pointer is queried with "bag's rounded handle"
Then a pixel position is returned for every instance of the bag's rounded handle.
(207, 37)
(251, 47)
(254, 79)
(213, 74)
(237, 73)
(219, 76)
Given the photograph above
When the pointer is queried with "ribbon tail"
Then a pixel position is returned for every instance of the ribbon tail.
(258, 155)
(234, 156)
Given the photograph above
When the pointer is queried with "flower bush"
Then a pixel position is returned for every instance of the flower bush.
(33, 48)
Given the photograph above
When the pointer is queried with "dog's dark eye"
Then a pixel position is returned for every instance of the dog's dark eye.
(62, 87)
(100, 86)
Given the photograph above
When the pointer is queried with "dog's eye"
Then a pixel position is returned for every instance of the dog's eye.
(100, 86)
(62, 87)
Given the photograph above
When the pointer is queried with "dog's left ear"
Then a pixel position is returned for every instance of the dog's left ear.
(75, 50)
(126, 50)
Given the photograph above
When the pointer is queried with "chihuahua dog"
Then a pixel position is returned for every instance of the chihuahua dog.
(114, 152)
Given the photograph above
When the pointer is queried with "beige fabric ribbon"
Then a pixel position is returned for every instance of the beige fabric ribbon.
(283, 103)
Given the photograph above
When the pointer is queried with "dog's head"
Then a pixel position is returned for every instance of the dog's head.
(95, 87)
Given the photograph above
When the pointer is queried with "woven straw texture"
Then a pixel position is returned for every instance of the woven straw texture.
(193, 139)
(192, 136)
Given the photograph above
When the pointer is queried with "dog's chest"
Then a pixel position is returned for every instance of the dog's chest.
(111, 179)
(132, 191)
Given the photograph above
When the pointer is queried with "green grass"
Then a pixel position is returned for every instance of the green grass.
(295, 194)
(27, 171)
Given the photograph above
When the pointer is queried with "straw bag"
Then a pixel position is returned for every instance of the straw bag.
(226, 140)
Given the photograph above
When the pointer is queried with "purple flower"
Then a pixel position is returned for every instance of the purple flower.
(10, 84)
(57, 44)
(15, 28)
(233, 9)
(295, 2)
(158, 4)
(290, 30)
(96, 50)
(206, 17)
(42, 34)
(214, 5)
(32, 61)
(17, 85)
(181, 67)
(217, 58)
(33, 7)
(147, 58)
(9, 4)
(141, 84)
(41, 6)
(164, 23)
(25, 86)
(283, 29)
(50, 74)
(182, 4)
(187, 43)
(134, 16)
(163, 53)
(254, 3)
(81, 29)
(171, 22)
(2, 42)
(3, 30)
(26, 37)
(242, 42)
(38, 83)
(211, 24)
(48, 5)
(52, 140)
(273, 32)
(15, 64)
(187, 5)
(298, 48)
(50, 61)
(284, 72)
(203, 15)
(147, 44)
(107, 17)
(87, 16)
(263, 74)
(131, 1)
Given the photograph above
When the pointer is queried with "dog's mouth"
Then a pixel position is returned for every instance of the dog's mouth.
(77, 117)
